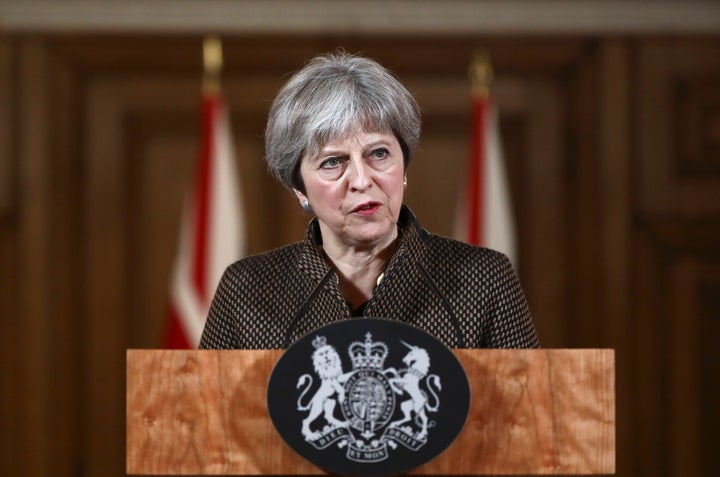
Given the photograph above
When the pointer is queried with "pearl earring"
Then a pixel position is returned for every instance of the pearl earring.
(306, 207)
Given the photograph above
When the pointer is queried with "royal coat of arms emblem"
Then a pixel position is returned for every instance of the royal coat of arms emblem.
(368, 396)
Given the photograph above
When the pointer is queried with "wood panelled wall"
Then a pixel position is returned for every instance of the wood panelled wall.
(613, 146)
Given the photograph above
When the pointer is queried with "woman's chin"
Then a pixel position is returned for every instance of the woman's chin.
(370, 235)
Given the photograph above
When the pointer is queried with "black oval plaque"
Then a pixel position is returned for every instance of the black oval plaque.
(368, 396)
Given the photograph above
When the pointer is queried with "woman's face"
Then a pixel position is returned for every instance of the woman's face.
(355, 186)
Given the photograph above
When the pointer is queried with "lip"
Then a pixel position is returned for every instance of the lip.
(366, 208)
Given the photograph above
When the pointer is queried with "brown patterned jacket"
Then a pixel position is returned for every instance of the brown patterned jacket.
(466, 296)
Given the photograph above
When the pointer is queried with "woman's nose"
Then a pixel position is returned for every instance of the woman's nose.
(360, 175)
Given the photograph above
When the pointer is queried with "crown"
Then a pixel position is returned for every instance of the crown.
(370, 354)
(319, 342)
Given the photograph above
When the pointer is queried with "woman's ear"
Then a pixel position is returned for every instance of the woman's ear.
(300, 196)
(304, 203)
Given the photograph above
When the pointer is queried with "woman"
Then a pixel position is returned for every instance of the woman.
(340, 135)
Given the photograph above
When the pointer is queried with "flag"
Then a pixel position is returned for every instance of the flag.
(211, 230)
(486, 216)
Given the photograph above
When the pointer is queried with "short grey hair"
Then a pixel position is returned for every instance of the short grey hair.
(331, 97)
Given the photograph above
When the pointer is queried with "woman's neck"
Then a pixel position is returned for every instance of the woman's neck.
(359, 269)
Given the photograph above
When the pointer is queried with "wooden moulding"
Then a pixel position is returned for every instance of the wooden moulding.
(533, 412)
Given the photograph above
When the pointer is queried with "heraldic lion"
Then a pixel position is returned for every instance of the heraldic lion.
(328, 367)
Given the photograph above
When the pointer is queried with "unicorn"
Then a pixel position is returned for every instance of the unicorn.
(408, 382)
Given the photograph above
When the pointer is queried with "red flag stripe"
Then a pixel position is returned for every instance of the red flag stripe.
(202, 191)
(485, 216)
(476, 173)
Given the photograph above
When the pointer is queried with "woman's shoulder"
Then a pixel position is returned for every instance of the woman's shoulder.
(454, 255)
(448, 249)
(441, 250)
(269, 262)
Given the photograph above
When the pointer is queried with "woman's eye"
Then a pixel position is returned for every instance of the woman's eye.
(380, 153)
(330, 163)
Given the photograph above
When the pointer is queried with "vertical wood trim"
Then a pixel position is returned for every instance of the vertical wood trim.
(648, 362)
(616, 183)
(64, 271)
(6, 133)
(546, 221)
(584, 202)
(616, 229)
(107, 280)
(684, 400)
(33, 237)
(8, 269)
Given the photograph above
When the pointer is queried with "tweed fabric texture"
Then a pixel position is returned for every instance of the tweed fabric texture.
(466, 296)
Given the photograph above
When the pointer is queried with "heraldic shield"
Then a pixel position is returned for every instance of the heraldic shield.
(368, 396)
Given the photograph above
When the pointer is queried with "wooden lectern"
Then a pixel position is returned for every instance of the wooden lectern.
(532, 412)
